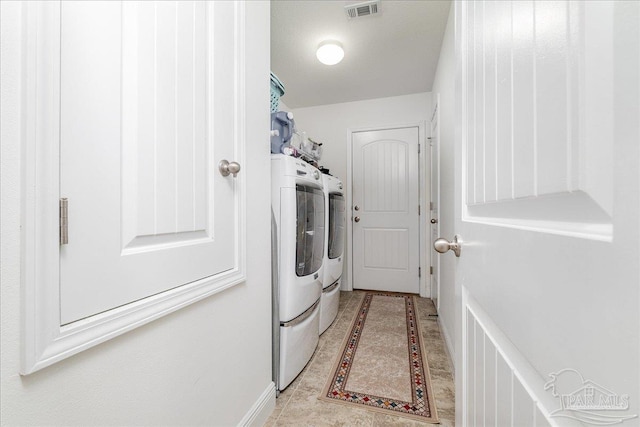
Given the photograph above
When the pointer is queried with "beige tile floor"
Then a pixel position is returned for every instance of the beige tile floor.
(299, 405)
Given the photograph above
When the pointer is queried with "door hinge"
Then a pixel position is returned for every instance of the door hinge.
(418, 148)
(430, 206)
(418, 209)
(430, 270)
(64, 221)
(419, 272)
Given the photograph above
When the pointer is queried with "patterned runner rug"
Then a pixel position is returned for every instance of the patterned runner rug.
(382, 365)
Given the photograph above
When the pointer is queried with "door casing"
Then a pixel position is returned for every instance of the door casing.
(44, 340)
(424, 197)
(434, 229)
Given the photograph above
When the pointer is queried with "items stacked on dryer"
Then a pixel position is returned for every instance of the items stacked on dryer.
(282, 128)
(286, 139)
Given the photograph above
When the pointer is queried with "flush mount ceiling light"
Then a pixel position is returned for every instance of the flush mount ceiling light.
(330, 52)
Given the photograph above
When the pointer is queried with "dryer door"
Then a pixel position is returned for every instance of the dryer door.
(336, 225)
(310, 229)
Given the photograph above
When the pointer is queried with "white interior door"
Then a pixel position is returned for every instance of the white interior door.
(435, 207)
(547, 197)
(385, 198)
(141, 137)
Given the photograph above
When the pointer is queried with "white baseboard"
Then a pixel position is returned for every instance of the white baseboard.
(261, 409)
(449, 344)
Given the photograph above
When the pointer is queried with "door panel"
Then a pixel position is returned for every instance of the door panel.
(163, 122)
(385, 191)
(148, 210)
(547, 206)
(385, 248)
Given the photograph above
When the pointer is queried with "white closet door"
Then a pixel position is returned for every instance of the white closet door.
(141, 137)
(385, 210)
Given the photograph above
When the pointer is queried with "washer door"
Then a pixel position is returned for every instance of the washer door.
(309, 229)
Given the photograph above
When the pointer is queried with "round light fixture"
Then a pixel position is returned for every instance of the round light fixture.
(330, 52)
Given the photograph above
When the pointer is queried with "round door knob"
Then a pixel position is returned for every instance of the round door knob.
(434, 221)
(443, 245)
(227, 168)
(356, 219)
(356, 207)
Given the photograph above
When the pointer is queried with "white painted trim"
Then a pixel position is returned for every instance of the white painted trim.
(347, 285)
(240, 134)
(40, 120)
(261, 409)
(459, 327)
(424, 190)
(436, 114)
(462, 392)
(44, 340)
(578, 230)
(449, 344)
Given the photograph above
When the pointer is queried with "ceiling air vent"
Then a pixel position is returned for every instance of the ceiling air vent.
(359, 10)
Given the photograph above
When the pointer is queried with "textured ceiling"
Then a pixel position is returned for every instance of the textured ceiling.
(392, 53)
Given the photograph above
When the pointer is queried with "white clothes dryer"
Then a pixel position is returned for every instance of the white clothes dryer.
(298, 205)
(334, 250)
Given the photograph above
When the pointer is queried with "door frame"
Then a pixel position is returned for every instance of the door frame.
(43, 340)
(424, 186)
(435, 114)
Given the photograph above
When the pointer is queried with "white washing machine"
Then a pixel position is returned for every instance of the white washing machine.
(334, 250)
(298, 205)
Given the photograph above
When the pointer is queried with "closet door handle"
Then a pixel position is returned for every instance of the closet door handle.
(356, 219)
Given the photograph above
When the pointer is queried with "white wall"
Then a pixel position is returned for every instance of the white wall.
(329, 124)
(283, 107)
(206, 364)
(444, 86)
